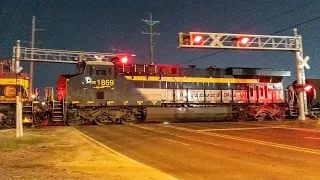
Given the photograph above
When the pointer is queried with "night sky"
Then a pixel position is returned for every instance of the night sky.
(99, 25)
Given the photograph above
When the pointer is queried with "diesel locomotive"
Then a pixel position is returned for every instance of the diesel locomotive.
(11, 85)
(118, 92)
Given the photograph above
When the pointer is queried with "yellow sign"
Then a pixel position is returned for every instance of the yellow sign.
(10, 91)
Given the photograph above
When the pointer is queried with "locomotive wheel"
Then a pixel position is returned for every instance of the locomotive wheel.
(102, 120)
(279, 117)
(78, 120)
(128, 119)
(242, 116)
(123, 121)
(235, 117)
(260, 118)
(9, 122)
(97, 122)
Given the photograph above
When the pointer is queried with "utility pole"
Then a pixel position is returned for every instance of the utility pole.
(31, 62)
(33, 31)
(150, 22)
(302, 101)
(19, 124)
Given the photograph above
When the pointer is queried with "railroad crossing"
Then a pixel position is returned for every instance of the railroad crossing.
(254, 42)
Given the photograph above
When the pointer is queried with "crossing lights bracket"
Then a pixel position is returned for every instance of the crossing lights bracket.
(238, 41)
(59, 56)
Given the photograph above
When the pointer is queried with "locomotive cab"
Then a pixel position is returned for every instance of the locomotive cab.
(87, 81)
(94, 68)
(99, 69)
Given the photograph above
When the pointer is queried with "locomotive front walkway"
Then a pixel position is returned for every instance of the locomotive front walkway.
(63, 153)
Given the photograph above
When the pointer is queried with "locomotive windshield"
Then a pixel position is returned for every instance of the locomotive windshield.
(80, 67)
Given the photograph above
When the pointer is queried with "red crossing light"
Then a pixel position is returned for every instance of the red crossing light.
(197, 39)
(120, 59)
(307, 88)
(244, 40)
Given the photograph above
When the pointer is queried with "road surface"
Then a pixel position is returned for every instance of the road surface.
(226, 150)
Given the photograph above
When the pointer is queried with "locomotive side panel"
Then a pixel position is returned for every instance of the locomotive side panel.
(240, 96)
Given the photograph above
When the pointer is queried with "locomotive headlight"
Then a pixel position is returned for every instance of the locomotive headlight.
(88, 79)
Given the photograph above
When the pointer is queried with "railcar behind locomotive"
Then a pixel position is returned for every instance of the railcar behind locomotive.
(103, 92)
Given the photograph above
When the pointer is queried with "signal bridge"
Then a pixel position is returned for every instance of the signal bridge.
(55, 56)
(254, 42)
(237, 41)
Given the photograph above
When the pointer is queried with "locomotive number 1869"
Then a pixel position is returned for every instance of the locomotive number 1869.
(105, 82)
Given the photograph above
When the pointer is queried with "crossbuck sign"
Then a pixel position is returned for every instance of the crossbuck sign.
(304, 62)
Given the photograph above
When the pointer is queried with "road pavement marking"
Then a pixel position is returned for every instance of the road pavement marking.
(300, 129)
(115, 152)
(266, 143)
(254, 124)
(176, 127)
(312, 137)
(283, 126)
(234, 129)
(296, 148)
(178, 142)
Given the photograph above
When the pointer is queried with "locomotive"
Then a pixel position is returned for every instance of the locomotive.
(115, 91)
(11, 85)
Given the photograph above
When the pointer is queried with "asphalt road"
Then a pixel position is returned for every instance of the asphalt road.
(217, 150)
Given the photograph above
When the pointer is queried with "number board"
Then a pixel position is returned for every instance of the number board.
(102, 83)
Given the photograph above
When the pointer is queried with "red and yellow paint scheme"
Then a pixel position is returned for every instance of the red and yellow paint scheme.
(13, 84)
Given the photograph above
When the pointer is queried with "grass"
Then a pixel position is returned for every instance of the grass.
(31, 137)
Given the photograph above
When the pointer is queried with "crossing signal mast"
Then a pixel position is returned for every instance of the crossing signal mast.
(254, 42)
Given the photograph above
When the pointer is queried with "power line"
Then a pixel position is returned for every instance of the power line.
(202, 56)
(296, 25)
(282, 14)
(190, 5)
